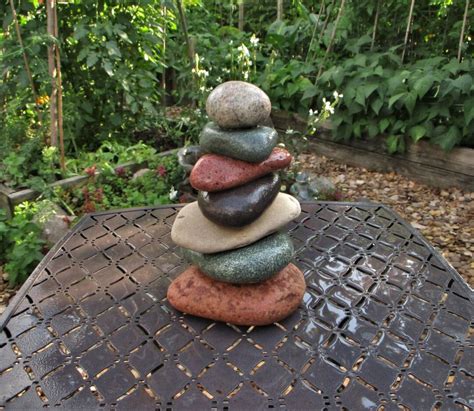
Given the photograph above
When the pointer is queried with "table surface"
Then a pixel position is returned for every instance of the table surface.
(385, 321)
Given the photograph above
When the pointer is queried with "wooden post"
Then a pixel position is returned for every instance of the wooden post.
(326, 20)
(376, 21)
(164, 13)
(60, 94)
(184, 25)
(407, 32)
(461, 37)
(50, 5)
(25, 60)
(279, 9)
(313, 35)
(333, 36)
(241, 15)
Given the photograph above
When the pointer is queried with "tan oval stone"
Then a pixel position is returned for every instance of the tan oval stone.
(270, 301)
(237, 104)
(193, 230)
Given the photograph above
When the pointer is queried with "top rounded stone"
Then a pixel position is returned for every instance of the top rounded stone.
(237, 104)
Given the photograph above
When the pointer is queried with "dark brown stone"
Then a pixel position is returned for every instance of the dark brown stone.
(270, 301)
(239, 206)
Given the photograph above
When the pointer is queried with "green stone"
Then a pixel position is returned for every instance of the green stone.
(252, 144)
(251, 264)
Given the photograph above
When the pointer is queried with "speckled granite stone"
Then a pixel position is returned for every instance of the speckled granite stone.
(252, 144)
(214, 172)
(240, 206)
(237, 104)
(264, 303)
(251, 264)
(194, 231)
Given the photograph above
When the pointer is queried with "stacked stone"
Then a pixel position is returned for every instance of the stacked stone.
(241, 270)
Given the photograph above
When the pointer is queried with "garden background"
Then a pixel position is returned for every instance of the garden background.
(89, 87)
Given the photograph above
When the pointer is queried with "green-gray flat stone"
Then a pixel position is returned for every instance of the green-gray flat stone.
(252, 144)
(251, 264)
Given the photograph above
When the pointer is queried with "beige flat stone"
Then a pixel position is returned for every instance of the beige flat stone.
(193, 230)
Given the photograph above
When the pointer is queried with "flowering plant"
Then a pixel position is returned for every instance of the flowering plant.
(327, 110)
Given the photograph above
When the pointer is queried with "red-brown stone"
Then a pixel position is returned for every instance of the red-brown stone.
(264, 303)
(214, 172)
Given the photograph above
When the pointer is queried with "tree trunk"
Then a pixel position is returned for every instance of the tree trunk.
(50, 5)
(279, 9)
(461, 37)
(241, 15)
(407, 33)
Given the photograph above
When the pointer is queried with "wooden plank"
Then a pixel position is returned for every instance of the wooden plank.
(5, 202)
(422, 160)
(379, 162)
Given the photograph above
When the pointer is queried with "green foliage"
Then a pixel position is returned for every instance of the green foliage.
(117, 189)
(112, 56)
(20, 243)
(426, 99)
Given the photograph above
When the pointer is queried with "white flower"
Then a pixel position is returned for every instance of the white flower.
(202, 88)
(312, 112)
(231, 42)
(324, 100)
(219, 79)
(254, 40)
(337, 95)
(244, 50)
(246, 75)
(290, 131)
(173, 195)
(205, 73)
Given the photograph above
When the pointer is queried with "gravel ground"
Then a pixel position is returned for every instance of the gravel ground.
(444, 217)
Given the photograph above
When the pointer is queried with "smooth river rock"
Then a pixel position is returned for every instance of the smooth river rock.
(271, 301)
(252, 144)
(214, 172)
(191, 229)
(240, 206)
(251, 264)
(237, 104)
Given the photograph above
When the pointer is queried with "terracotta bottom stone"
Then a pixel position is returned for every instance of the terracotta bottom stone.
(271, 301)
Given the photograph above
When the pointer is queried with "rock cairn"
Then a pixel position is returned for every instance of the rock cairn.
(241, 270)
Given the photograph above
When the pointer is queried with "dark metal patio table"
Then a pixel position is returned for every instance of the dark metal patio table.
(385, 322)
